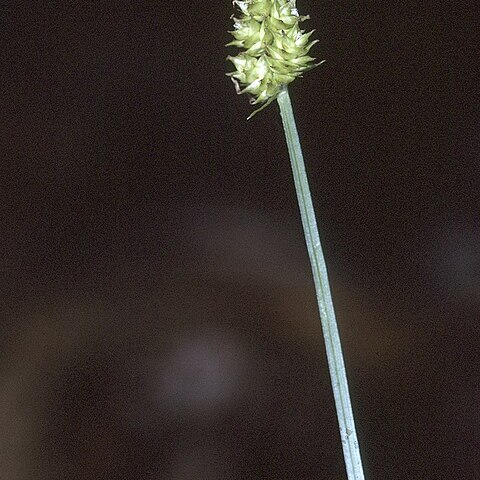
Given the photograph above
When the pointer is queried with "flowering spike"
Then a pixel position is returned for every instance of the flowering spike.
(275, 49)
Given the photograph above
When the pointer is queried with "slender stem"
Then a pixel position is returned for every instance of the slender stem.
(351, 450)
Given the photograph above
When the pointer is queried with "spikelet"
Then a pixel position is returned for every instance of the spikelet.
(274, 50)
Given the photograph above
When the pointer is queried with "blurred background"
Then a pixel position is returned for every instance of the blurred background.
(158, 317)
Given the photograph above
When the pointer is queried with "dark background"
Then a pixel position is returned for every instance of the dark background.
(158, 318)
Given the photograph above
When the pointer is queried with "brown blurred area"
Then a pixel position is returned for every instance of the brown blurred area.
(158, 318)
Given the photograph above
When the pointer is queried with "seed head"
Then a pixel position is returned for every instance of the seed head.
(274, 49)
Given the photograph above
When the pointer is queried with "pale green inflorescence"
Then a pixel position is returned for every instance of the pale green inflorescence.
(275, 49)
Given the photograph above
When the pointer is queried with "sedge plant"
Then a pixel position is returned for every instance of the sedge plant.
(274, 51)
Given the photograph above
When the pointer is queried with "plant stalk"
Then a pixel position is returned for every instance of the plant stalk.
(351, 450)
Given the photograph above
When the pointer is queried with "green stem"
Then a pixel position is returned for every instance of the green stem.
(351, 450)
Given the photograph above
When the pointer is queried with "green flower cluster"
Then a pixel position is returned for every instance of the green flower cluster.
(275, 49)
